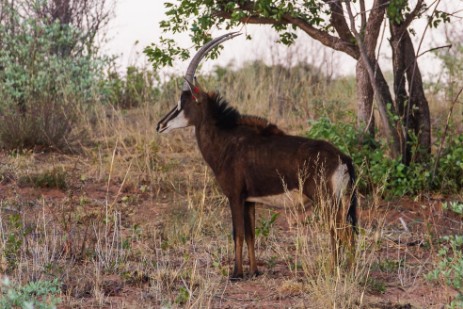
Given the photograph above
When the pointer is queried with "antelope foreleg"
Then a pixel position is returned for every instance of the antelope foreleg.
(250, 235)
(237, 211)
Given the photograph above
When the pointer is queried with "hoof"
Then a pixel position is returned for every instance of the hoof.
(256, 274)
(235, 278)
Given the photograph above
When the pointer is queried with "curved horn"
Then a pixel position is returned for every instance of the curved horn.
(190, 72)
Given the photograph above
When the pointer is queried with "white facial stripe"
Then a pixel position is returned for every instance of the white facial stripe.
(178, 122)
(179, 105)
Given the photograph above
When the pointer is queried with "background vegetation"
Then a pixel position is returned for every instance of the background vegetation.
(96, 209)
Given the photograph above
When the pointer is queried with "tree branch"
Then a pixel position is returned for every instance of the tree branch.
(363, 15)
(412, 15)
(344, 43)
(338, 20)
(373, 25)
(434, 49)
(323, 36)
(250, 19)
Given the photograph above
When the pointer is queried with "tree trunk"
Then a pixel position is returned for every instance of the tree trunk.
(377, 80)
(419, 104)
(412, 106)
(365, 94)
(387, 110)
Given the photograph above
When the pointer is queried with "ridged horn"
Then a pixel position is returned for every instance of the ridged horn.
(190, 72)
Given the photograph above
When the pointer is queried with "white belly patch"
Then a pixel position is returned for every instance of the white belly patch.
(290, 198)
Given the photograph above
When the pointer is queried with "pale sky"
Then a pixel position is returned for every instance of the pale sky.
(138, 21)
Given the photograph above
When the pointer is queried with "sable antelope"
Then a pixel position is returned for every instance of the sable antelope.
(253, 160)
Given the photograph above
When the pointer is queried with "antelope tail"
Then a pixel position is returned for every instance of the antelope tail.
(352, 212)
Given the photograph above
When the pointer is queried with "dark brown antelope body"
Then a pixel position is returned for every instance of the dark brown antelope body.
(253, 160)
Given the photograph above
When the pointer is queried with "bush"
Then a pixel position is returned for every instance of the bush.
(38, 294)
(137, 87)
(52, 178)
(43, 125)
(450, 171)
(47, 68)
(449, 269)
(376, 169)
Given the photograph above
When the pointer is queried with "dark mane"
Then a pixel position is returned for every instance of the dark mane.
(261, 125)
(228, 117)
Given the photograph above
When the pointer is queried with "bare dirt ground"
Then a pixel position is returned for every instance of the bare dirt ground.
(165, 246)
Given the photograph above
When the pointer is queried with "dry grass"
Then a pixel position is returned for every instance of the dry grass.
(142, 224)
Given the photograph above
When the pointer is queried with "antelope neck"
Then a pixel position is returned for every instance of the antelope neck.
(212, 142)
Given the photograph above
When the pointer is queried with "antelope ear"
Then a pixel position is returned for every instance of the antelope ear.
(195, 89)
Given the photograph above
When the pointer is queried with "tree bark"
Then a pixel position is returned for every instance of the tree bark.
(392, 127)
(380, 88)
(370, 30)
(412, 106)
(365, 94)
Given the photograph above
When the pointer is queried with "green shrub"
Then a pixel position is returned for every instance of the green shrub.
(376, 169)
(52, 178)
(449, 269)
(265, 225)
(38, 294)
(450, 168)
(13, 242)
(136, 87)
(47, 69)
